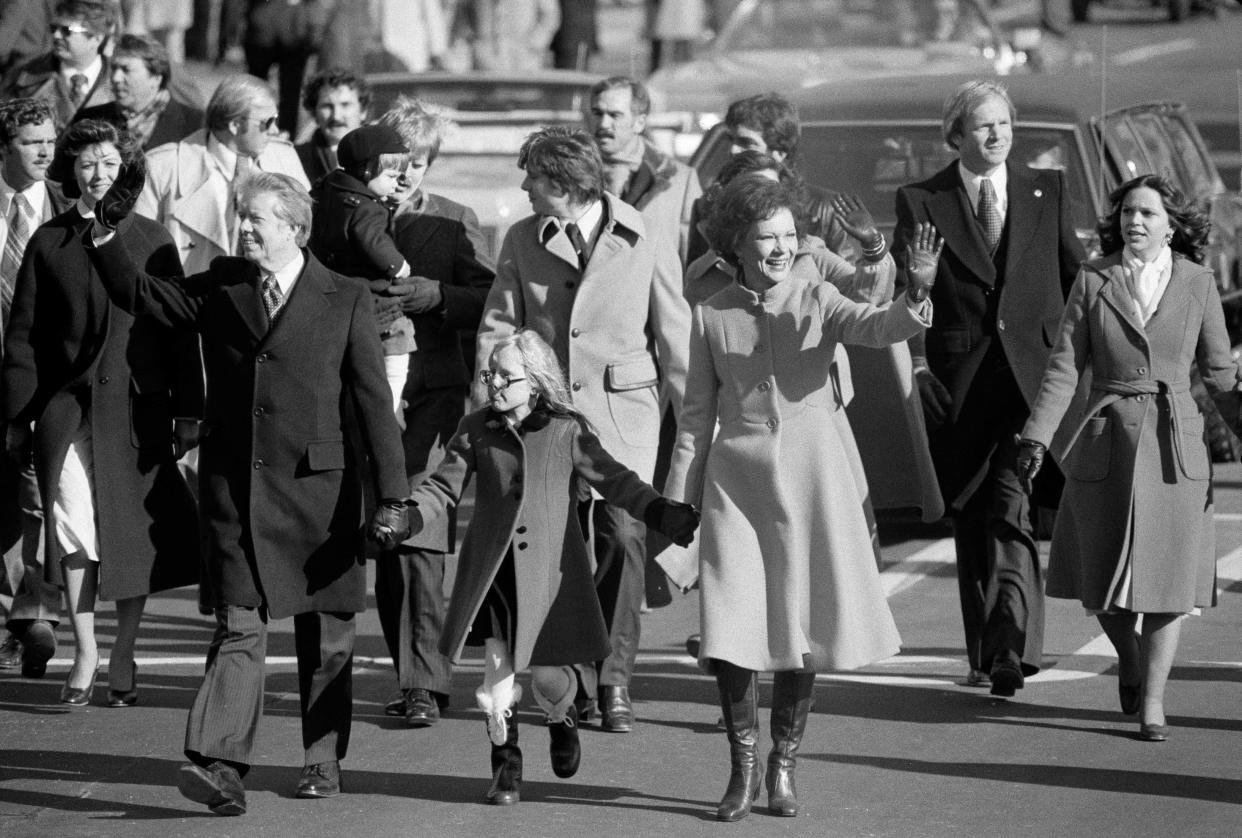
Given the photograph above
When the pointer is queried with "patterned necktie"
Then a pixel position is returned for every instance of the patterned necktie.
(14, 247)
(77, 89)
(579, 243)
(988, 215)
(273, 299)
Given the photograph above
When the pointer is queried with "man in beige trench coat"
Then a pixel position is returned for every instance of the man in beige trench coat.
(587, 274)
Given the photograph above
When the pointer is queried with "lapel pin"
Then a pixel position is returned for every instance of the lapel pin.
(1039, 193)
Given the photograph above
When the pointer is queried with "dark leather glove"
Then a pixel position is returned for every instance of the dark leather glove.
(932, 393)
(118, 202)
(186, 434)
(387, 311)
(417, 294)
(390, 525)
(18, 443)
(1029, 461)
(922, 259)
(674, 519)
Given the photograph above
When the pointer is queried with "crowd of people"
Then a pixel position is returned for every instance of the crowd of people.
(227, 359)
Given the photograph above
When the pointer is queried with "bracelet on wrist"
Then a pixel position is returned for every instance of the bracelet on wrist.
(875, 251)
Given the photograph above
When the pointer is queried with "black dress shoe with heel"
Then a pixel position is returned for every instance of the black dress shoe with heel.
(217, 786)
(1130, 696)
(79, 697)
(616, 712)
(125, 698)
(321, 779)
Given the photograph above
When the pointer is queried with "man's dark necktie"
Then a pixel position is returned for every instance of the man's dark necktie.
(77, 89)
(988, 215)
(273, 299)
(579, 243)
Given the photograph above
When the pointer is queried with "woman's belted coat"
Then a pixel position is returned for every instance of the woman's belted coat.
(1138, 493)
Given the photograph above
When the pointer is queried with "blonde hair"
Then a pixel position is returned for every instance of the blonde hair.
(543, 370)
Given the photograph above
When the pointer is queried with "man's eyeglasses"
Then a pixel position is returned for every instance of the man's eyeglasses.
(64, 30)
(497, 380)
(265, 125)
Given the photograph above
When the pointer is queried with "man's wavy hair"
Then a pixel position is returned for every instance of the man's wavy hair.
(1189, 222)
(77, 138)
(569, 158)
(18, 112)
(748, 199)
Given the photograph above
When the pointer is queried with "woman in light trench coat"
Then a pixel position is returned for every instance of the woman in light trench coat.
(1134, 533)
(786, 570)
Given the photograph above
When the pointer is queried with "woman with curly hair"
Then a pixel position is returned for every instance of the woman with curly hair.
(112, 399)
(1134, 535)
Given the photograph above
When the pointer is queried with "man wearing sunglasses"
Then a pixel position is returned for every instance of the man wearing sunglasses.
(75, 73)
(191, 183)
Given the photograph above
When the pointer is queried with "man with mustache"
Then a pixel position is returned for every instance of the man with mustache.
(338, 100)
(1010, 257)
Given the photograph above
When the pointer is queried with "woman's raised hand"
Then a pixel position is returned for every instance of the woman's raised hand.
(922, 257)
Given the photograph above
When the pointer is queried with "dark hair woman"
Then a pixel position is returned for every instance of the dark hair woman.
(91, 393)
(1134, 535)
(787, 579)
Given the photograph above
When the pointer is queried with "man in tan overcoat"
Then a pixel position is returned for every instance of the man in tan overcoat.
(592, 279)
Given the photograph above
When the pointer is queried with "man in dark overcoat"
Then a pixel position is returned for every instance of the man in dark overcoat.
(451, 272)
(294, 367)
(1010, 257)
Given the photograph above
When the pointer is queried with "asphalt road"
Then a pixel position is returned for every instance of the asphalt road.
(896, 749)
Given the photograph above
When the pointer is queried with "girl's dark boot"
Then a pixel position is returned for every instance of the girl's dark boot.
(791, 703)
(506, 770)
(739, 702)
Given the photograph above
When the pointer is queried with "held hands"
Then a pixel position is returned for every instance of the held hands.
(18, 443)
(387, 311)
(119, 200)
(416, 294)
(390, 525)
(856, 220)
(932, 393)
(674, 519)
(1029, 461)
(922, 257)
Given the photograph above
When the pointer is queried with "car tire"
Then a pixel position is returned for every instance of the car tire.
(1178, 10)
(1079, 8)
(1222, 444)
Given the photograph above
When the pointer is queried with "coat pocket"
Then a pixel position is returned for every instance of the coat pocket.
(1093, 451)
(631, 375)
(325, 455)
(1192, 451)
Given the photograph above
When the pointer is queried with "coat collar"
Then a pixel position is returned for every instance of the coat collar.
(655, 175)
(1114, 292)
(621, 224)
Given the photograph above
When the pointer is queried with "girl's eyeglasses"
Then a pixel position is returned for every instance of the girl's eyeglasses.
(497, 380)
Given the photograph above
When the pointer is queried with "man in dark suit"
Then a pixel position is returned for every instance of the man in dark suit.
(75, 74)
(142, 102)
(451, 272)
(29, 605)
(1009, 259)
(338, 101)
(279, 484)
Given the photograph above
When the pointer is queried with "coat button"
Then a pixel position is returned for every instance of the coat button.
(521, 545)
(1141, 398)
(576, 386)
(258, 464)
(759, 347)
(764, 386)
(103, 379)
(261, 359)
(521, 530)
(772, 424)
(570, 285)
(1142, 370)
(517, 495)
(1000, 324)
(258, 411)
(573, 333)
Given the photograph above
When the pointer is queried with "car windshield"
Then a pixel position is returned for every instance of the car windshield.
(865, 24)
(493, 96)
(874, 160)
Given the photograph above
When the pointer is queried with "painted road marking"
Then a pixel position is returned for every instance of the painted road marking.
(917, 566)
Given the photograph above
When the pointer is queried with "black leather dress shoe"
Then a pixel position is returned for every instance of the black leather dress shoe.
(1006, 676)
(10, 652)
(323, 779)
(125, 698)
(565, 749)
(38, 647)
(218, 787)
(396, 707)
(421, 708)
(616, 711)
(79, 697)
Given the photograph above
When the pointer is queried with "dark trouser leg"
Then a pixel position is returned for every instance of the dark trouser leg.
(739, 702)
(791, 704)
(33, 597)
(973, 572)
(325, 648)
(409, 595)
(226, 710)
(619, 578)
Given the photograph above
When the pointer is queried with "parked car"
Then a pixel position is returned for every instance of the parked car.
(872, 137)
(787, 45)
(1177, 10)
(494, 113)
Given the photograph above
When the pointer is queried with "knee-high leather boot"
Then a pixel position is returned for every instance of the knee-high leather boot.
(739, 702)
(506, 770)
(791, 703)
